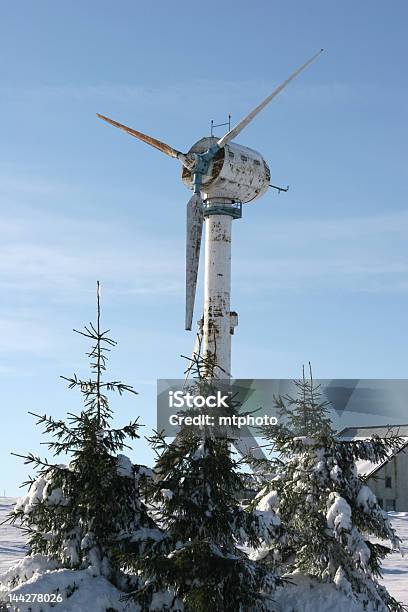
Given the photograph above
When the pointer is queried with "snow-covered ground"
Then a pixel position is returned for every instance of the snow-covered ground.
(395, 567)
(11, 538)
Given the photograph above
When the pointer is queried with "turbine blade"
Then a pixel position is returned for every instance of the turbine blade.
(195, 218)
(244, 122)
(157, 144)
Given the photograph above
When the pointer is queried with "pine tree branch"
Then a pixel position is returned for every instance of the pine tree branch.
(52, 425)
(31, 458)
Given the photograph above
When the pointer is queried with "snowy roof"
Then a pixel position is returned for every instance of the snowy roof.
(368, 468)
(383, 431)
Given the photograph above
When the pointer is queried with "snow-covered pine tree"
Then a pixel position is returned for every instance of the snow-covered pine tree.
(81, 515)
(306, 414)
(196, 492)
(330, 512)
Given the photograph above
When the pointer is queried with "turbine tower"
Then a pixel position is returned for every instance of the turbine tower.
(223, 176)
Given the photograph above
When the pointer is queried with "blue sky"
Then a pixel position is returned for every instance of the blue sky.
(319, 273)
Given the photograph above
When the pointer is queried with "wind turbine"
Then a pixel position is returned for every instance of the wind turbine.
(223, 175)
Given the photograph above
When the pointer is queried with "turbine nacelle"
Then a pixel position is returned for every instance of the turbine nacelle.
(234, 173)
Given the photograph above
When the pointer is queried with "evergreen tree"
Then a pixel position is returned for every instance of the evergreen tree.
(306, 414)
(81, 515)
(328, 509)
(196, 491)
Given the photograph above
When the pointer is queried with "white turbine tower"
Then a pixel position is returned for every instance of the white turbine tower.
(223, 175)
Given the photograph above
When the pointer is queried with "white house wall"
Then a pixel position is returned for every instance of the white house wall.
(397, 469)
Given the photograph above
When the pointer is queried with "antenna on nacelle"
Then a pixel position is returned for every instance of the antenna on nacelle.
(215, 125)
(279, 189)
